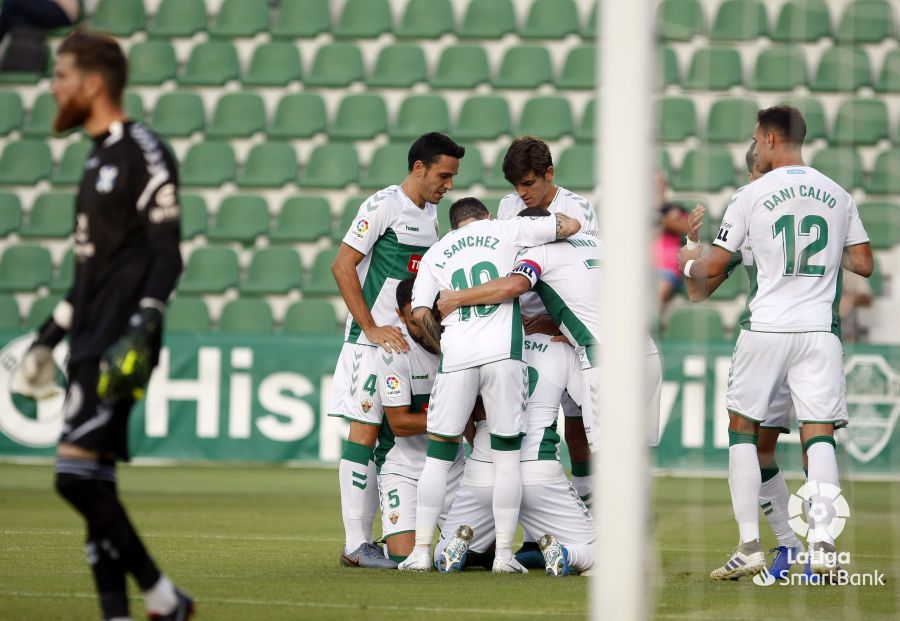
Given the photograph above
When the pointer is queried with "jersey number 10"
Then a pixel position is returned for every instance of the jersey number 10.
(480, 273)
(801, 266)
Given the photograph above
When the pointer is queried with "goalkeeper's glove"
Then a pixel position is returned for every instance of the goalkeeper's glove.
(126, 365)
(37, 370)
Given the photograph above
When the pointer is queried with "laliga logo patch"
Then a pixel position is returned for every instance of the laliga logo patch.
(360, 228)
(393, 386)
(106, 178)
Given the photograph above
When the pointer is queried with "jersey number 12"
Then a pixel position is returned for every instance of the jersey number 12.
(801, 266)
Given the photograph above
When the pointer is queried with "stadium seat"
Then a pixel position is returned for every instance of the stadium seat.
(483, 117)
(9, 313)
(882, 220)
(194, 217)
(273, 271)
(471, 169)
(842, 69)
(363, 19)
(425, 19)
(802, 21)
(714, 69)
(276, 63)
(151, 63)
(310, 317)
(585, 130)
(388, 166)
(677, 119)
(399, 66)
(240, 218)
(302, 219)
(780, 69)
(241, 18)
(336, 65)
(187, 314)
(865, 21)
(11, 112)
(40, 310)
(178, 115)
(889, 78)
(246, 316)
(71, 166)
(332, 165)
(298, 19)
(731, 120)
(65, 274)
(525, 67)
(695, 323)
(40, 117)
(237, 115)
(740, 20)
(133, 106)
(51, 216)
(209, 270)
(25, 268)
(298, 115)
(679, 20)
(550, 19)
(842, 164)
(876, 280)
(359, 117)
(814, 114)
(269, 165)
(419, 114)
(461, 67)
(121, 18)
(579, 71)
(705, 169)
(549, 117)
(211, 63)
(736, 285)
(25, 162)
(495, 179)
(10, 213)
(348, 215)
(575, 169)
(321, 281)
(488, 19)
(669, 74)
(860, 122)
(178, 18)
(208, 164)
(885, 177)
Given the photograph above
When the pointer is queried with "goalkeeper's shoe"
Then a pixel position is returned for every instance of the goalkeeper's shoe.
(507, 566)
(529, 555)
(369, 556)
(785, 556)
(556, 557)
(747, 560)
(417, 561)
(184, 609)
(453, 557)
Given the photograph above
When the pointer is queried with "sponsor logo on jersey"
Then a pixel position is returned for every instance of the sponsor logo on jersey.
(413, 265)
(106, 178)
(360, 228)
(393, 386)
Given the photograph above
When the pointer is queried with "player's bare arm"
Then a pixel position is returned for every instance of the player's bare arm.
(344, 269)
(431, 329)
(405, 423)
(566, 226)
(713, 264)
(493, 292)
(859, 260)
(697, 289)
(540, 324)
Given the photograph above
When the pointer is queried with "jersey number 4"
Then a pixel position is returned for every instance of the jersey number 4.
(795, 265)
(480, 273)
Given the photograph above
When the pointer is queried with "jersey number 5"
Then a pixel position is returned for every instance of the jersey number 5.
(801, 266)
(480, 273)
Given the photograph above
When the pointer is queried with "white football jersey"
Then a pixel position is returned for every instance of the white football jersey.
(478, 252)
(393, 233)
(798, 222)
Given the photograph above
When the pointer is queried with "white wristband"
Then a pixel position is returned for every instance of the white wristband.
(688, 266)
(691, 245)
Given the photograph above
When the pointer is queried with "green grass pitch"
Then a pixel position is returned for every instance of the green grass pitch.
(262, 543)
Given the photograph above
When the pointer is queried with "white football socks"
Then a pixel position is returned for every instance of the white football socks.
(773, 498)
(161, 598)
(744, 479)
(359, 496)
(823, 468)
(507, 498)
(430, 500)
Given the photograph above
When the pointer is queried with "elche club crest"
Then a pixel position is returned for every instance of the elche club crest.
(873, 402)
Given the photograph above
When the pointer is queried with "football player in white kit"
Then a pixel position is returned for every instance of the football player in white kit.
(802, 228)
(392, 231)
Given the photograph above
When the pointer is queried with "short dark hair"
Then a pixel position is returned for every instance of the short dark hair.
(428, 148)
(98, 53)
(534, 212)
(526, 154)
(404, 291)
(748, 157)
(785, 120)
(466, 208)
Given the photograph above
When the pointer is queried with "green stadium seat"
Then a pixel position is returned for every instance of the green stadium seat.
(876, 280)
(348, 215)
(802, 21)
(208, 164)
(705, 169)
(241, 18)
(882, 221)
(302, 219)
(71, 166)
(665, 164)
(310, 317)
(677, 119)
(363, 19)
(679, 20)
(842, 69)
(133, 106)
(669, 74)
(550, 19)
(575, 169)
(589, 27)
(488, 19)
(10, 213)
(240, 218)
(40, 117)
(740, 20)
(388, 166)
(211, 63)
(51, 216)
(695, 323)
(419, 114)
(471, 169)
(548, 117)
(276, 63)
(495, 179)
(885, 177)
(860, 122)
(179, 18)
(302, 19)
(425, 19)
(269, 165)
(237, 115)
(25, 162)
(483, 117)
(25, 268)
(585, 130)
(151, 62)
(178, 115)
(246, 316)
(194, 216)
(11, 112)
(333, 165)
(731, 120)
(9, 313)
(525, 67)
(209, 270)
(462, 67)
(65, 274)
(865, 21)
(298, 115)
(735, 286)
(579, 70)
(336, 65)
(187, 314)
(842, 164)
(399, 66)
(889, 79)
(320, 280)
(121, 18)
(780, 69)
(814, 114)
(40, 311)
(273, 271)
(714, 69)
(359, 117)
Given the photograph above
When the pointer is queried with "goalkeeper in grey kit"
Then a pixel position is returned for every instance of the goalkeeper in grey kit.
(127, 255)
